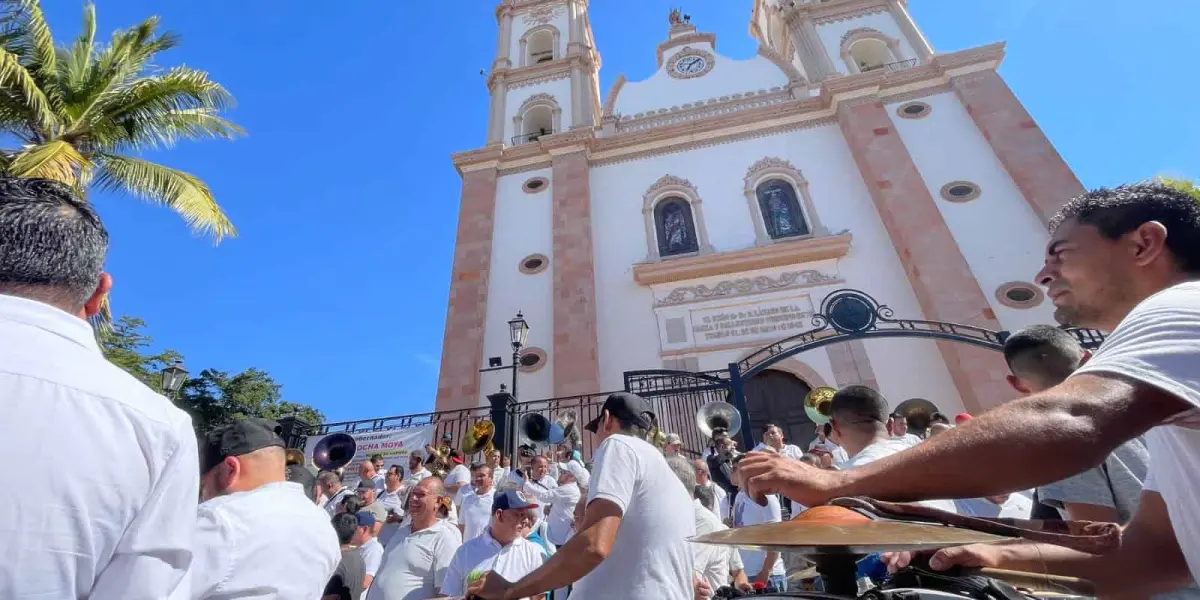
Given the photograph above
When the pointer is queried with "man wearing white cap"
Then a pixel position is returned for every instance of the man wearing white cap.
(561, 500)
(673, 445)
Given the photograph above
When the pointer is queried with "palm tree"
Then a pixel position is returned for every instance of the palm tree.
(82, 113)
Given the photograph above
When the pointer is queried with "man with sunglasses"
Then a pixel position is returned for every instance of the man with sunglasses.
(502, 548)
(859, 418)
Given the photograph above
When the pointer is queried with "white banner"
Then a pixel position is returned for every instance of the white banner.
(394, 445)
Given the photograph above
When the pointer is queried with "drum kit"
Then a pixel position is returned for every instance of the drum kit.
(835, 539)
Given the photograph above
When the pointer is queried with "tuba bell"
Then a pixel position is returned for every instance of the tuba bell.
(535, 427)
(334, 451)
(718, 415)
(479, 438)
(563, 430)
(294, 456)
(817, 404)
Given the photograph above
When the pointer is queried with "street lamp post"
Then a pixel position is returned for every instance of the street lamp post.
(518, 333)
(173, 378)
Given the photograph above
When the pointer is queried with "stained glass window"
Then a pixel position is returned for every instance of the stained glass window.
(675, 227)
(781, 210)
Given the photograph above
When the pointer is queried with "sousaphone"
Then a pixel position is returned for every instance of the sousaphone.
(535, 428)
(334, 451)
(718, 415)
(479, 438)
(563, 430)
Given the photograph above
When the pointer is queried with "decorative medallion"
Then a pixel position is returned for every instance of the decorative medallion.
(690, 63)
(763, 164)
(667, 181)
(746, 285)
(540, 15)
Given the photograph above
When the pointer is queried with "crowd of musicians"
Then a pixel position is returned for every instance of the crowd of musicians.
(133, 506)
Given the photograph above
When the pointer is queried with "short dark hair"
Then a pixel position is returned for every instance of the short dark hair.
(52, 244)
(938, 417)
(477, 466)
(345, 524)
(767, 428)
(1044, 353)
(705, 495)
(1115, 212)
(375, 457)
(397, 469)
(352, 504)
(857, 403)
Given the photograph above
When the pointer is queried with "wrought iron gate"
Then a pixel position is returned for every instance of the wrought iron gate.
(676, 396)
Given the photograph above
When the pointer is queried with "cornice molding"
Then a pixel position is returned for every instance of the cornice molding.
(763, 115)
(525, 76)
(746, 286)
(740, 261)
(832, 12)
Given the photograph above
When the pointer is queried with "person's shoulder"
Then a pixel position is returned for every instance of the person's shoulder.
(528, 548)
(448, 531)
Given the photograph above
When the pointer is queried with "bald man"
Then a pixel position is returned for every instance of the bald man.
(418, 554)
(258, 534)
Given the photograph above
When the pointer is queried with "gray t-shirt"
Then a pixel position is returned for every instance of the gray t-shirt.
(1117, 484)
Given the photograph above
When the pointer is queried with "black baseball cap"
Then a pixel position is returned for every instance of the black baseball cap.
(236, 439)
(627, 408)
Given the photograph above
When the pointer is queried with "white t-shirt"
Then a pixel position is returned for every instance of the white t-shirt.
(372, 555)
(460, 474)
(414, 564)
(476, 513)
(720, 500)
(483, 553)
(651, 558)
(713, 562)
(746, 512)
(562, 501)
(269, 542)
(1158, 343)
(888, 447)
(119, 503)
(789, 450)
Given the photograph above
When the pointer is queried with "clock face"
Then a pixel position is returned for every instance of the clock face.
(691, 65)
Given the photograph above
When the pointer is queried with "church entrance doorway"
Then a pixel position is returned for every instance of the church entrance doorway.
(778, 397)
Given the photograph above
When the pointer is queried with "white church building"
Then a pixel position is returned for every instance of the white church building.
(688, 219)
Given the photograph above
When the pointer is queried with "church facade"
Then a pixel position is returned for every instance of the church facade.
(688, 219)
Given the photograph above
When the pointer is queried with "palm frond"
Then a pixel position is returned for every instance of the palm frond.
(76, 61)
(127, 55)
(185, 193)
(36, 107)
(164, 130)
(43, 59)
(56, 160)
(179, 89)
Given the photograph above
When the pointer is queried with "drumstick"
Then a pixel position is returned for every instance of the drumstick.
(1039, 581)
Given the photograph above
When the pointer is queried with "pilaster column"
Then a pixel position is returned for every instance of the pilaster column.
(808, 35)
(499, 102)
(462, 347)
(574, 18)
(576, 360)
(940, 277)
(1030, 159)
(577, 108)
(504, 40)
(911, 33)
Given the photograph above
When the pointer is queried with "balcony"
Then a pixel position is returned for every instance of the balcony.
(528, 138)
(891, 67)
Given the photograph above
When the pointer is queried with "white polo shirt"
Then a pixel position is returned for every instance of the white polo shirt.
(460, 474)
(713, 562)
(270, 542)
(476, 513)
(414, 564)
(119, 503)
(789, 450)
(372, 555)
(561, 500)
(484, 553)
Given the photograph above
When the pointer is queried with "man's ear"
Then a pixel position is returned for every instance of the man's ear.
(92, 307)
(1018, 385)
(1149, 242)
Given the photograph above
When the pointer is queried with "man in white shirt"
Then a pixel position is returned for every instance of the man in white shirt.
(459, 476)
(898, 426)
(369, 547)
(501, 549)
(720, 498)
(416, 558)
(330, 484)
(367, 472)
(257, 534)
(765, 567)
(633, 531)
(392, 500)
(1125, 260)
(773, 437)
(540, 479)
(826, 444)
(561, 499)
(476, 510)
(416, 469)
(495, 461)
(718, 566)
(100, 428)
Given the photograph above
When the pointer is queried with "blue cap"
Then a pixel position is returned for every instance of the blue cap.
(510, 499)
(365, 518)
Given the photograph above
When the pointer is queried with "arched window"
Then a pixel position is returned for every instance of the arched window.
(538, 116)
(675, 227)
(865, 49)
(539, 45)
(780, 209)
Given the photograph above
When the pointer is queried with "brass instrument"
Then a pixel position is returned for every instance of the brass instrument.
(479, 438)
(718, 415)
(334, 451)
(817, 404)
(916, 412)
(438, 460)
(564, 432)
(535, 427)
(294, 456)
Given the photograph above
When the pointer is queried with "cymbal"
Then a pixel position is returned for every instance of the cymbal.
(836, 530)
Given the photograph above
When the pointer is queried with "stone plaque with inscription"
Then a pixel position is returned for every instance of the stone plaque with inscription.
(765, 321)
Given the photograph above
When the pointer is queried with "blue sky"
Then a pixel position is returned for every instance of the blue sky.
(346, 200)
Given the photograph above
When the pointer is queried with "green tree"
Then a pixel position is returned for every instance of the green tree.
(215, 398)
(1183, 185)
(127, 347)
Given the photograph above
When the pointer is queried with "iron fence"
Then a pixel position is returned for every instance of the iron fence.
(676, 396)
(585, 408)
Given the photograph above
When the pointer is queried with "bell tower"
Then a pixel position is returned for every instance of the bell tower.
(544, 79)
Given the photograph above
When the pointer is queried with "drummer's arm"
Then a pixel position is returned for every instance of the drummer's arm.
(1147, 562)
(1078, 423)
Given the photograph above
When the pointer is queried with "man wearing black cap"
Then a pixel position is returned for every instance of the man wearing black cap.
(257, 533)
(633, 531)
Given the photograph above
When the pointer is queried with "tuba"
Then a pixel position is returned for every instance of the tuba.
(438, 461)
(294, 456)
(563, 431)
(718, 415)
(479, 438)
(535, 427)
(334, 451)
(817, 404)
